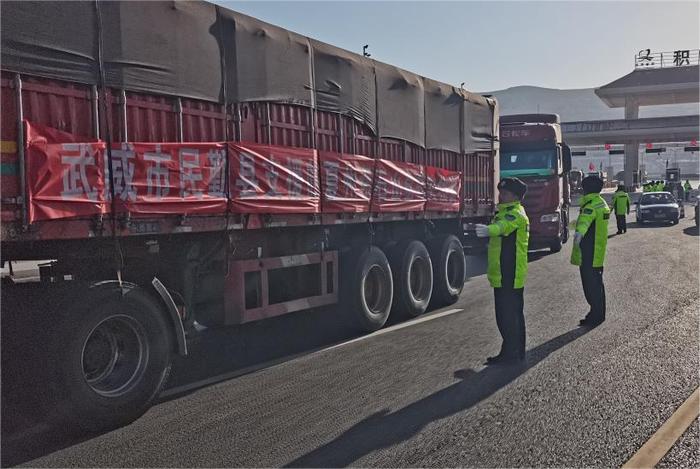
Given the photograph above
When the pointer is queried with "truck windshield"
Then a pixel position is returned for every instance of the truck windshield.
(528, 163)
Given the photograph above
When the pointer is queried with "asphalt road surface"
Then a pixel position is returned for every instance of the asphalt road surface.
(418, 393)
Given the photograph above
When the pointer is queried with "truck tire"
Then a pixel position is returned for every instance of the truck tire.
(449, 269)
(111, 356)
(368, 288)
(412, 273)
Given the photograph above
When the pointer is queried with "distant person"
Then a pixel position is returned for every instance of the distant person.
(621, 203)
(590, 242)
(507, 268)
(687, 188)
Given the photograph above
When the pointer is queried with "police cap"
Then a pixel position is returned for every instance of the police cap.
(591, 184)
(514, 186)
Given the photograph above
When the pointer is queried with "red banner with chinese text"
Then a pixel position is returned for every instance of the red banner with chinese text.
(170, 178)
(400, 187)
(272, 179)
(443, 189)
(66, 177)
(65, 174)
(346, 182)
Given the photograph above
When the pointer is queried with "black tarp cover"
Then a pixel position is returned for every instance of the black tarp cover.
(480, 123)
(442, 123)
(50, 39)
(265, 62)
(199, 50)
(401, 109)
(162, 47)
(344, 83)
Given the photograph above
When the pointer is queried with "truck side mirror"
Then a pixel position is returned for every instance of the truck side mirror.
(566, 157)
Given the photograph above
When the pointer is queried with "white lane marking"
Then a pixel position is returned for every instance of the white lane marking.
(289, 358)
(412, 322)
(654, 450)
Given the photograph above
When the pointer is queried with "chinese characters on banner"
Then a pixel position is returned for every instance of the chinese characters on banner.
(65, 178)
(170, 178)
(346, 181)
(269, 179)
(400, 187)
(443, 189)
(68, 177)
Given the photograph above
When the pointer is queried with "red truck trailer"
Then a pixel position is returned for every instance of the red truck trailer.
(532, 150)
(185, 164)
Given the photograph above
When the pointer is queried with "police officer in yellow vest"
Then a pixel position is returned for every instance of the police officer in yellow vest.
(507, 268)
(590, 241)
(621, 203)
(687, 188)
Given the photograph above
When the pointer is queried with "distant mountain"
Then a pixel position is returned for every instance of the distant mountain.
(574, 105)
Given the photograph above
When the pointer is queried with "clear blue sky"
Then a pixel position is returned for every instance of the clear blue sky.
(495, 45)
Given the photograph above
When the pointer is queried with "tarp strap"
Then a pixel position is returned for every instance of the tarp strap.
(119, 257)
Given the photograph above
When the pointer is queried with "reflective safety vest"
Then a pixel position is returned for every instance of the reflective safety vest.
(646, 188)
(509, 234)
(687, 186)
(621, 202)
(592, 224)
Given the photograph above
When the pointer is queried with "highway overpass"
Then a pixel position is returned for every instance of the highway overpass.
(628, 131)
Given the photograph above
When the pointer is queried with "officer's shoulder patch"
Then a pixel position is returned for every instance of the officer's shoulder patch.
(510, 217)
(588, 210)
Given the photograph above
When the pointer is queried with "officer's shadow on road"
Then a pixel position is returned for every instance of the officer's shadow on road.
(691, 231)
(386, 428)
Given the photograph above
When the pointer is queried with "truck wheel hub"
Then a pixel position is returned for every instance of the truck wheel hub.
(114, 356)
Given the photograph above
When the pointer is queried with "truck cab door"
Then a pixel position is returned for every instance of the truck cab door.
(566, 167)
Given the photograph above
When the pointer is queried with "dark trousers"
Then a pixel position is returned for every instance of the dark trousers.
(594, 290)
(510, 320)
(621, 223)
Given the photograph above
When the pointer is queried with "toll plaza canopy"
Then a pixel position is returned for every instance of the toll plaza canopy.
(203, 51)
(649, 87)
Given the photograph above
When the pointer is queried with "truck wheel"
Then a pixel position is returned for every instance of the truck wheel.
(412, 273)
(111, 357)
(369, 288)
(449, 269)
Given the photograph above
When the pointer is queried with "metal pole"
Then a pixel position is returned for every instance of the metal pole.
(180, 121)
(124, 114)
(341, 135)
(95, 97)
(238, 121)
(20, 152)
(268, 123)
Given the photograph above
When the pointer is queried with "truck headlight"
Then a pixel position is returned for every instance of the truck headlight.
(550, 218)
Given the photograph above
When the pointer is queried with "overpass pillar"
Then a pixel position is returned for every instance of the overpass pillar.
(631, 163)
(631, 149)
